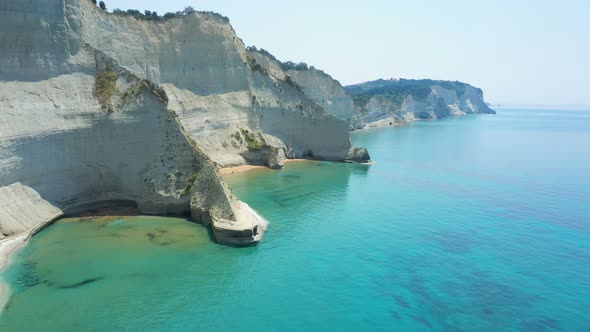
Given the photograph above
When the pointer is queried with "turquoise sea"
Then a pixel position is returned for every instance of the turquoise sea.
(479, 223)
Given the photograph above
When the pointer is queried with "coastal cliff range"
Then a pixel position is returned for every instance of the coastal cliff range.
(381, 102)
(100, 109)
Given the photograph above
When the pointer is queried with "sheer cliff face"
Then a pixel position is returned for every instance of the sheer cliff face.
(379, 103)
(384, 103)
(289, 113)
(62, 147)
(325, 91)
(203, 67)
(34, 40)
(96, 107)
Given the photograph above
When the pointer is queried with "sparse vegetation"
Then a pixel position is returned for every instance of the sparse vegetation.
(396, 91)
(253, 143)
(289, 65)
(189, 185)
(263, 52)
(102, 5)
(254, 66)
(362, 100)
(105, 88)
(153, 16)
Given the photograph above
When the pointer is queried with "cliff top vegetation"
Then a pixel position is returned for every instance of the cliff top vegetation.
(149, 15)
(397, 90)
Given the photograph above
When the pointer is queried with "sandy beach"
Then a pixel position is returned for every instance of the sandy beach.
(245, 168)
(239, 169)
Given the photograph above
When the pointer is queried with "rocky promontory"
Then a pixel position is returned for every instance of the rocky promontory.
(400, 101)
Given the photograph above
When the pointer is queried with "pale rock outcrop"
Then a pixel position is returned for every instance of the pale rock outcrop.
(22, 208)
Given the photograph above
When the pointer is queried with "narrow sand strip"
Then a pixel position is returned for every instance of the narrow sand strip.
(238, 169)
(245, 168)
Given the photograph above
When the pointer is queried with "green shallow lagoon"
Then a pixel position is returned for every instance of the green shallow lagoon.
(480, 223)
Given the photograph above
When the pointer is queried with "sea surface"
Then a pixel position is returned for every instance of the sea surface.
(478, 223)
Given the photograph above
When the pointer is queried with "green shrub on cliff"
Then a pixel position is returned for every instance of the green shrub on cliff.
(105, 87)
(361, 100)
(255, 145)
(289, 65)
(254, 66)
(252, 143)
(395, 91)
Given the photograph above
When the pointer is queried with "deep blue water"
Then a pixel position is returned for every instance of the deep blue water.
(479, 223)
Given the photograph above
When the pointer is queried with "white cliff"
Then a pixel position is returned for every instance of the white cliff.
(377, 103)
(395, 102)
(98, 109)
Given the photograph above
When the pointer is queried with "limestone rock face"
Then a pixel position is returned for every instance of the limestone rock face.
(326, 92)
(97, 108)
(289, 114)
(378, 103)
(397, 102)
(68, 149)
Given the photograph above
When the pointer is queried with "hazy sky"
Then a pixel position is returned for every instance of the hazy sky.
(517, 51)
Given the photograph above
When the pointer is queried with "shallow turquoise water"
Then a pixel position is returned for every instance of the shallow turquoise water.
(479, 223)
